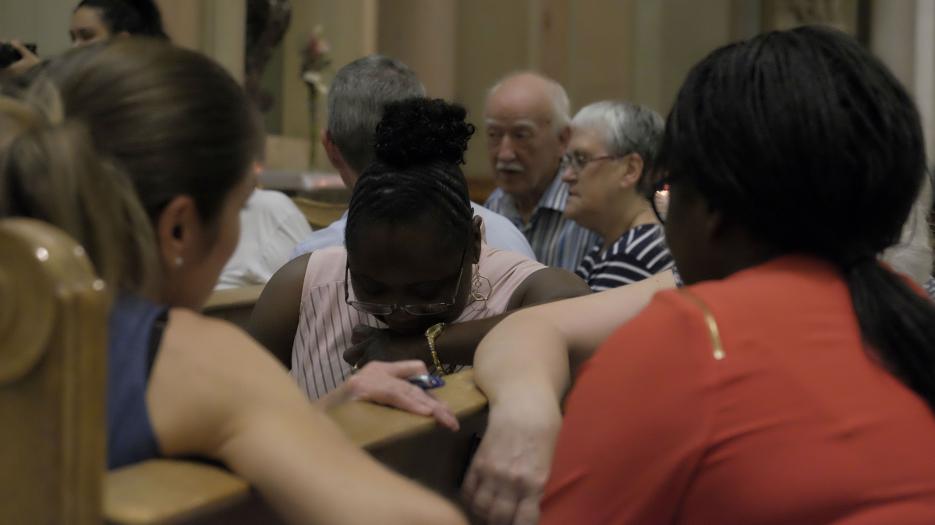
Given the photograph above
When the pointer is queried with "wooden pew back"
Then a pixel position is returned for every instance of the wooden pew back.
(234, 304)
(53, 352)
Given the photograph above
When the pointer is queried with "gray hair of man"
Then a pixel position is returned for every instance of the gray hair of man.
(558, 98)
(912, 255)
(356, 99)
(627, 128)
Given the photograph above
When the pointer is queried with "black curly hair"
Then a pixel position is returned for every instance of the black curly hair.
(135, 17)
(420, 144)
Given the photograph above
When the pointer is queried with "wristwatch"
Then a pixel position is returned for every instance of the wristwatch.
(431, 334)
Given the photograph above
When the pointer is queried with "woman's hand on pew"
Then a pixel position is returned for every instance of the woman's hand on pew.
(509, 471)
(386, 384)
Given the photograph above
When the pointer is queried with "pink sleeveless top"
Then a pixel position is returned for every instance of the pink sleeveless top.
(326, 321)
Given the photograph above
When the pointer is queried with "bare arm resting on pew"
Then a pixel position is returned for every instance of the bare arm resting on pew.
(524, 367)
(214, 392)
(459, 341)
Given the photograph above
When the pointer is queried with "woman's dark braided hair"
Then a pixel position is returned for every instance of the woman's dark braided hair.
(136, 17)
(420, 144)
(810, 142)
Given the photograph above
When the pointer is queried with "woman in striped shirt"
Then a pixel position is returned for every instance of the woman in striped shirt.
(608, 170)
(414, 260)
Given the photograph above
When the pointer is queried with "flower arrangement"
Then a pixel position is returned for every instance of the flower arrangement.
(315, 60)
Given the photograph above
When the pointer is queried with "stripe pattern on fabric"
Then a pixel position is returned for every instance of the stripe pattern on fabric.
(326, 322)
(555, 240)
(639, 253)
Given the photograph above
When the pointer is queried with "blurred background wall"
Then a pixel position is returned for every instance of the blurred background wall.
(638, 50)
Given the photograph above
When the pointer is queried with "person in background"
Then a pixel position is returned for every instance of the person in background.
(414, 279)
(97, 20)
(270, 227)
(356, 99)
(609, 172)
(802, 367)
(527, 122)
(145, 158)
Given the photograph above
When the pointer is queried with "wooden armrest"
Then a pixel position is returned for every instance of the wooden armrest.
(370, 426)
(235, 305)
(233, 298)
(169, 491)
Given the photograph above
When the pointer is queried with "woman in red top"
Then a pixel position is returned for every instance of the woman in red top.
(793, 381)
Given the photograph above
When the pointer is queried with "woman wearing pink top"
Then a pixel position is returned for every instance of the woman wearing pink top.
(414, 263)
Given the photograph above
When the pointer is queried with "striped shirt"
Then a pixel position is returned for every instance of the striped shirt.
(326, 322)
(639, 253)
(555, 240)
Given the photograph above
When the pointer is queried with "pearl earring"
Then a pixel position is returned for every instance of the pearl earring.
(179, 262)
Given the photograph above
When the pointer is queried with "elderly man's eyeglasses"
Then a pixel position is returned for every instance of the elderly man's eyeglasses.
(578, 161)
(424, 309)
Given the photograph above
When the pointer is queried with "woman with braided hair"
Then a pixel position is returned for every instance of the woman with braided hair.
(416, 280)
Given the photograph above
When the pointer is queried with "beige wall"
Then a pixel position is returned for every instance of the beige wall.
(214, 27)
(493, 38)
(639, 50)
(598, 49)
(44, 22)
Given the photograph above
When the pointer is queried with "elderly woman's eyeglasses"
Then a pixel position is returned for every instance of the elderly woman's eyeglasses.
(424, 309)
(660, 200)
(578, 161)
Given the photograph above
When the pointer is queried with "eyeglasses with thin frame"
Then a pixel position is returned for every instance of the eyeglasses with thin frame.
(660, 200)
(578, 161)
(383, 309)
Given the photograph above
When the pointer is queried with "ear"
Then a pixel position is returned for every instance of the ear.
(564, 137)
(175, 230)
(632, 170)
(477, 226)
(348, 175)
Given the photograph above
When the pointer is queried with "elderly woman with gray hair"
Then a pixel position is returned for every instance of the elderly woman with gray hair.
(608, 168)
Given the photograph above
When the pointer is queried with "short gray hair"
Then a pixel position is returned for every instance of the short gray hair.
(356, 99)
(627, 128)
(558, 97)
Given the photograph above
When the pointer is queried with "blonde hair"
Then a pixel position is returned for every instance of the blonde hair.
(50, 170)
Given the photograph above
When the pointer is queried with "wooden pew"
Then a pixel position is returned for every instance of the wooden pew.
(234, 304)
(172, 491)
(53, 357)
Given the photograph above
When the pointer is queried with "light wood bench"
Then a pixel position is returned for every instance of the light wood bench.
(233, 304)
(53, 359)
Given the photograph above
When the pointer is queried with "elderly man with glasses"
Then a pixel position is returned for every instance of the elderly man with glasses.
(612, 191)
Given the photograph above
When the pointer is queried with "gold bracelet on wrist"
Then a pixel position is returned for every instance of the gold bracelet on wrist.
(431, 334)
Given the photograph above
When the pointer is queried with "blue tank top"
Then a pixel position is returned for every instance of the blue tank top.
(134, 333)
